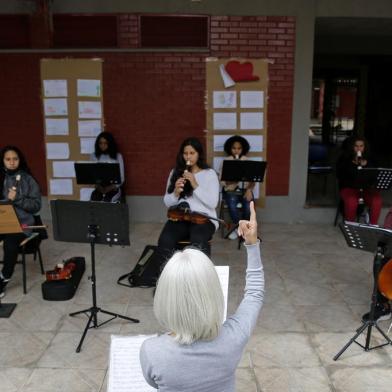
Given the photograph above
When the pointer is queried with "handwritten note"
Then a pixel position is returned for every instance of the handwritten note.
(125, 371)
(55, 88)
(57, 150)
(90, 109)
(55, 107)
(56, 126)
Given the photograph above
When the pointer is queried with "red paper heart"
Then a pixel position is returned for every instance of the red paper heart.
(241, 72)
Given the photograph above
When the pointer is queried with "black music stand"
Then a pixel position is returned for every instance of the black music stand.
(94, 223)
(237, 170)
(97, 173)
(379, 178)
(9, 224)
(375, 240)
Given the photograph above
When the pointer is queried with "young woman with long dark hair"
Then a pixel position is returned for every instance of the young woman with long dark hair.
(18, 187)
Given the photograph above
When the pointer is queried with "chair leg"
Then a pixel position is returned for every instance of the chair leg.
(40, 261)
(24, 272)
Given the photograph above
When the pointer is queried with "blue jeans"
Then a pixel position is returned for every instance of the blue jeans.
(232, 199)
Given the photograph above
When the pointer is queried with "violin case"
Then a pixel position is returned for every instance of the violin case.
(62, 290)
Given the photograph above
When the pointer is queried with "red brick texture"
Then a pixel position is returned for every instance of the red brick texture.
(153, 100)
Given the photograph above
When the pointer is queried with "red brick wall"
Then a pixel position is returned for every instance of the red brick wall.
(152, 101)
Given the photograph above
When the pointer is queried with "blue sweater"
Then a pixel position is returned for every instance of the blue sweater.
(207, 366)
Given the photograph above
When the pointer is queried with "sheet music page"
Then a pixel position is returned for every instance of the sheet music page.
(223, 275)
(125, 371)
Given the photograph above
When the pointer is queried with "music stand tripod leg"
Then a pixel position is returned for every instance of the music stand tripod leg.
(95, 309)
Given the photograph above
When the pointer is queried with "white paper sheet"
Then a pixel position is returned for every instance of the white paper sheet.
(64, 169)
(55, 107)
(57, 150)
(89, 128)
(217, 163)
(224, 99)
(87, 145)
(223, 275)
(61, 187)
(56, 126)
(255, 142)
(224, 121)
(251, 120)
(88, 88)
(125, 371)
(55, 88)
(252, 99)
(90, 109)
(85, 193)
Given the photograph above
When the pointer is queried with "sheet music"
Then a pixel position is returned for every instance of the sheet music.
(223, 275)
(125, 371)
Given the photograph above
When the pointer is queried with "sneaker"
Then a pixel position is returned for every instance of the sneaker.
(380, 313)
(233, 235)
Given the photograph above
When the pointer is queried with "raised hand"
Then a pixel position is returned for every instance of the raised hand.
(248, 229)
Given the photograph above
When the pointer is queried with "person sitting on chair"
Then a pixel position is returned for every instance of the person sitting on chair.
(198, 352)
(236, 147)
(106, 151)
(18, 187)
(353, 159)
(193, 184)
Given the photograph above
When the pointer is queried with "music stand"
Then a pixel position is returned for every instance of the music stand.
(9, 224)
(94, 173)
(93, 223)
(379, 178)
(237, 170)
(375, 240)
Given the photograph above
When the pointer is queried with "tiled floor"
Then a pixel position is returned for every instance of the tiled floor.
(316, 290)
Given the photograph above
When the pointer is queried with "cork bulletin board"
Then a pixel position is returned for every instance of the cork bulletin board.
(236, 104)
(72, 101)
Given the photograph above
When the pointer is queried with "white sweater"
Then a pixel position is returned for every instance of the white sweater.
(204, 198)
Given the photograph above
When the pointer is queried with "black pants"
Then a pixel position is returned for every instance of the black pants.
(11, 249)
(173, 232)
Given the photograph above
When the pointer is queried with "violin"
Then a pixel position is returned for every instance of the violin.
(385, 280)
(178, 214)
(61, 272)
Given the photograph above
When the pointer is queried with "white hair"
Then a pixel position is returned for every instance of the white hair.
(189, 299)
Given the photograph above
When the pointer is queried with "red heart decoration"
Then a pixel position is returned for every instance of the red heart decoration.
(241, 72)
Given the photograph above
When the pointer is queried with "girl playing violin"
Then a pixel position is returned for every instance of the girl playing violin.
(194, 183)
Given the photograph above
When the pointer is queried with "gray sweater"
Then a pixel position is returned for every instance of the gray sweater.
(207, 366)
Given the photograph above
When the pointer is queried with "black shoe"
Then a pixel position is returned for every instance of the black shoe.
(380, 313)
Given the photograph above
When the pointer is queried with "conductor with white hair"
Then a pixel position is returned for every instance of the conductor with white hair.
(199, 353)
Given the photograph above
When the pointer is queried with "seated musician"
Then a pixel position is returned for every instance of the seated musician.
(236, 147)
(17, 186)
(106, 151)
(353, 159)
(194, 183)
